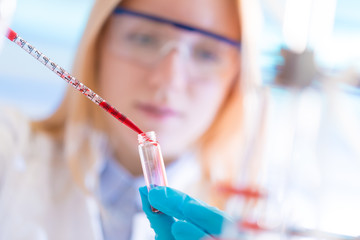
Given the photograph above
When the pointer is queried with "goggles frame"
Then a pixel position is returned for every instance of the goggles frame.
(120, 10)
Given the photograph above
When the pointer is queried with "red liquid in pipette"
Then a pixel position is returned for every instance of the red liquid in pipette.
(13, 36)
(121, 117)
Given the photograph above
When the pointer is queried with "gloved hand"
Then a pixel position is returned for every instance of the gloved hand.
(181, 217)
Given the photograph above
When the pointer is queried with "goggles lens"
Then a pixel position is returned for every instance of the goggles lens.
(147, 40)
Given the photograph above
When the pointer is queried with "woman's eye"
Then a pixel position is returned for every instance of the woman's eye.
(143, 39)
(206, 55)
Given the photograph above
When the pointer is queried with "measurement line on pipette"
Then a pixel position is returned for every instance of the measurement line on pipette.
(14, 37)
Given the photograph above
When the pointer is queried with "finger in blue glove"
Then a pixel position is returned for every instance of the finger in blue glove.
(160, 223)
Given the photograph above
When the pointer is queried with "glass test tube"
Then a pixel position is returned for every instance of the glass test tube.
(151, 161)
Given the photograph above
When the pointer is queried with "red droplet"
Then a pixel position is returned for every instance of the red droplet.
(11, 34)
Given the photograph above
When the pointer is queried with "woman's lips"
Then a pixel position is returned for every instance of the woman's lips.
(157, 111)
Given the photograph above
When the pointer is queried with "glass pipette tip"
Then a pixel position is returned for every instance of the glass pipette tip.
(14, 37)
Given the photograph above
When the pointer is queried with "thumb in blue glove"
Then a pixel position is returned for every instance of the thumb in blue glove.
(191, 218)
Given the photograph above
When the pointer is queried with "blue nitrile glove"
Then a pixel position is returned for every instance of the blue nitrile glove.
(182, 217)
(160, 222)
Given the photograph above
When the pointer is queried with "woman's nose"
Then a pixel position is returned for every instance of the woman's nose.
(169, 71)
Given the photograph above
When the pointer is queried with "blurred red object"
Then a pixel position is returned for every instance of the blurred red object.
(247, 192)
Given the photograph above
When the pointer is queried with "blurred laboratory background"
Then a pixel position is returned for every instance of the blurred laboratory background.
(310, 64)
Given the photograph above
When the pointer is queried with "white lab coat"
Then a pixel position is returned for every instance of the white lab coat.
(38, 200)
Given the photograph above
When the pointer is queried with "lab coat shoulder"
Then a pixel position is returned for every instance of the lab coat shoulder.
(38, 199)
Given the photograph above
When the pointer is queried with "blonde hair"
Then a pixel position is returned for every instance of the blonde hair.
(72, 125)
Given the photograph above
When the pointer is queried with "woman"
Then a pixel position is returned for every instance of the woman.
(172, 67)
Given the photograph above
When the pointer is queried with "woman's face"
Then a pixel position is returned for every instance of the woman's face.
(174, 93)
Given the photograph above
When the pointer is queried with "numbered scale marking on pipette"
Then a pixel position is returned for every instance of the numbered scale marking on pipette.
(14, 37)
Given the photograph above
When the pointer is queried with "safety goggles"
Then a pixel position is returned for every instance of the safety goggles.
(147, 39)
